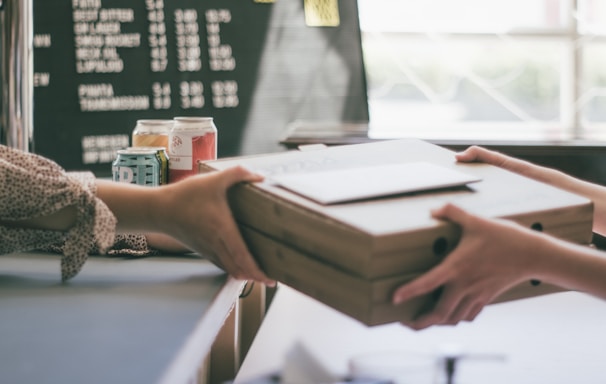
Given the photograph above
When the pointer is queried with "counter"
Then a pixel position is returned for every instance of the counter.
(557, 339)
(146, 320)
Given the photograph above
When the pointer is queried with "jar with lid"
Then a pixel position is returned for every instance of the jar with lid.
(191, 140)
(151, 133)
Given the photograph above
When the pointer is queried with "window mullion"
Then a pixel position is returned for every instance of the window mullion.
(577, 70)
(570, 77)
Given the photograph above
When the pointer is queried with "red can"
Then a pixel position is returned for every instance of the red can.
(191, 140)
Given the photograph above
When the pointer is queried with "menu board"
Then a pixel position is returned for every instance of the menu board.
(252, 65)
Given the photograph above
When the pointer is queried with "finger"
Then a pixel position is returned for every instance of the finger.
(470, 154)
(422, 285)
(444, 311)
(238, 174)
(479, 154)
(244, 265)
(237, 259)
(461, 311)
(236, 256)
(474, 311)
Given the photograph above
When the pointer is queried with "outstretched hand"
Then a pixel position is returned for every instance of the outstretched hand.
(201, 219)
(190, 215)
(594, 192)
(491, 257)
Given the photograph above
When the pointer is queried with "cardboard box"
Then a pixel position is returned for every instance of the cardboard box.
(367, 300)
(351, 255)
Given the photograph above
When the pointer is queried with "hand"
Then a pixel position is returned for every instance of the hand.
(491, 257)
(197, 214)
(192, 214)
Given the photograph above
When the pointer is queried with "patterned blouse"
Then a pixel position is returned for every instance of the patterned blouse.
(32, 186)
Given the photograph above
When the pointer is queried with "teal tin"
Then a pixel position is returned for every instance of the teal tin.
(142, 166)
(162, 158)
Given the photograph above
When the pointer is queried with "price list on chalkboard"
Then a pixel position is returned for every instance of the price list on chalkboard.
(254, 66)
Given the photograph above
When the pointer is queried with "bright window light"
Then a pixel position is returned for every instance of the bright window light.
(495, 70)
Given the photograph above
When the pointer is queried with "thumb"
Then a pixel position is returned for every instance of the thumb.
(453, 213)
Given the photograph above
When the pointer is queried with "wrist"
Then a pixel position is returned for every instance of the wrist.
(538, 254)
(556, 260)
(158, 211)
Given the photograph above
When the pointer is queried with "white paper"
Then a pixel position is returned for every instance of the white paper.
(342, 185)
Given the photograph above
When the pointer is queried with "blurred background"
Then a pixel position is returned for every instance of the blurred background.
(524, 76)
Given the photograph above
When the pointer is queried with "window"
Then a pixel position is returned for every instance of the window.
(494, 70)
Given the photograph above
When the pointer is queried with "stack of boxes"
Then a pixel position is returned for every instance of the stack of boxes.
(353, 255)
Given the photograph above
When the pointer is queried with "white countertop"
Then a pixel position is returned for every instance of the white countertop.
(557, 339)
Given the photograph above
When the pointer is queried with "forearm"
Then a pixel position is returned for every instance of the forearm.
(133, 205)
(597, 194)
(572, 266)
(594, 192)
(129, 203)
(60, 220)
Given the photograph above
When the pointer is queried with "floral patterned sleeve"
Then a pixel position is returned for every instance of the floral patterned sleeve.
(32, 186)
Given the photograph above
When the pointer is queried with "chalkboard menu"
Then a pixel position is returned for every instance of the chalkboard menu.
(252, 65)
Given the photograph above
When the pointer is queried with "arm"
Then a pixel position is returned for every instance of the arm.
(594, 192)
(193, 211)
(43, 205)
(495, 255)
(60, 220)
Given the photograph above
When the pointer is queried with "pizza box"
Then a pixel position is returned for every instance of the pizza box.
(373, 233)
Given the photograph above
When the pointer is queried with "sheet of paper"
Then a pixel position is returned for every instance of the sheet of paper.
(342, 185)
